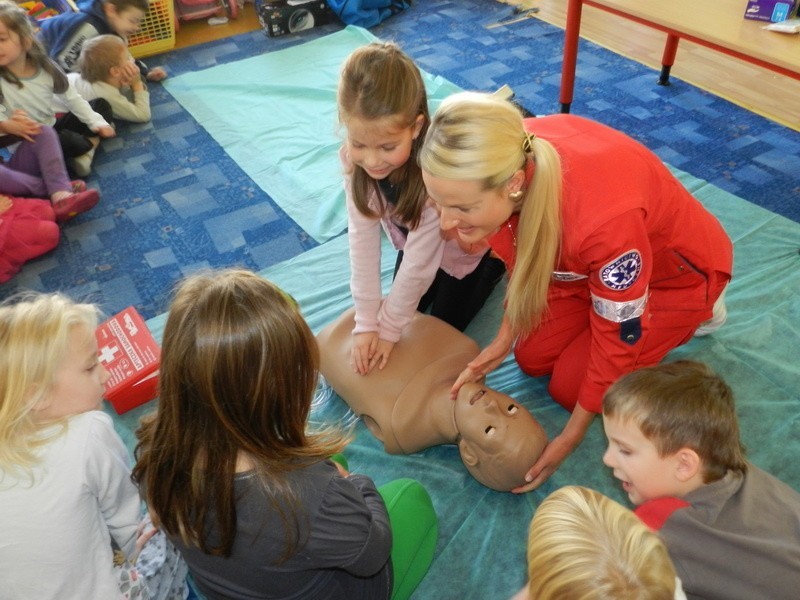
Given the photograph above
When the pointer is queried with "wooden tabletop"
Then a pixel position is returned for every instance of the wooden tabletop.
(720, 22)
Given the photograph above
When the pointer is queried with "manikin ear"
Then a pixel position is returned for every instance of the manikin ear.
(688, 464)
(418, 123)
(468, 456)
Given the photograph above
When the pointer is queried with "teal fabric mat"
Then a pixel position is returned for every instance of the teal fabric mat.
(481, 550)
(275, 115)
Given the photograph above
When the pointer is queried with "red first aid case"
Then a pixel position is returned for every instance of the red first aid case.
(131, 356)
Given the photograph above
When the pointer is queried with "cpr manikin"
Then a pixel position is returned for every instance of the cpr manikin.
(407, 405)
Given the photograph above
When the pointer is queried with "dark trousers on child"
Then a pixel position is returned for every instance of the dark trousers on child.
(457, 301)
(74, 134)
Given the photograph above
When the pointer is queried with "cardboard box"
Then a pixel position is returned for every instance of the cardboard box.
(279, 17)
(131, 356)
(770, 10)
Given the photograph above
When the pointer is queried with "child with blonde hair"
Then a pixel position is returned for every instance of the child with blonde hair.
(732, 530)
(108, 71)
(66, 495)
(233, 475)
(384, 109)
(584, 546)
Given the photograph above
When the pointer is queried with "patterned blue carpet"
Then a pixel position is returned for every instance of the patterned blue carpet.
(174, 202)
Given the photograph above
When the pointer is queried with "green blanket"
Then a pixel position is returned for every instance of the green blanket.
(275, 115)
(481, 548)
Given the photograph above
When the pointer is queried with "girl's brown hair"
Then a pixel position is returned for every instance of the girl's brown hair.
(379, 81)
(238, 374)
(16, 21)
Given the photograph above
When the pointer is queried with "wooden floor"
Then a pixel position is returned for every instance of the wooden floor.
(773, 96)
(198, 31)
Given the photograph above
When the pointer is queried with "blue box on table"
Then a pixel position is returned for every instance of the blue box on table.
(770, 10)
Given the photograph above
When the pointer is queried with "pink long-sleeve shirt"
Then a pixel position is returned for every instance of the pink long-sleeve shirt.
(425, 250)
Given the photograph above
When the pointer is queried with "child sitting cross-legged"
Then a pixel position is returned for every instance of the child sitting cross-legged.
(238, 481)
(732, 530)
(107, 70)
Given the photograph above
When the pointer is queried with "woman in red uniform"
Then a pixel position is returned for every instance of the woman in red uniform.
(613, 263)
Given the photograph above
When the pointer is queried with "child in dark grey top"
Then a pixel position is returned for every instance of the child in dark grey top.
(231, 474)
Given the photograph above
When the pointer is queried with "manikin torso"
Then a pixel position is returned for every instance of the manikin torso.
(406, 405)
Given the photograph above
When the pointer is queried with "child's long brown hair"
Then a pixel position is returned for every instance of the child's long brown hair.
(379, 81)
(16, 21)
(238, 373)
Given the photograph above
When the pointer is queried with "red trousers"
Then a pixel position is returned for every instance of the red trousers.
(560, 346)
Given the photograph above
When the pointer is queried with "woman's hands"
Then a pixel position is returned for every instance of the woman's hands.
(559, 448)
(368, 352)
(5, 203)
(488, 360)
(22, 126)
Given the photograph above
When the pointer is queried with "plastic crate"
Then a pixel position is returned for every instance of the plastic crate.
(157, 33)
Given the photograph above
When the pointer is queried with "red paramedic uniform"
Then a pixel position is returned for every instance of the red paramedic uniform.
(640, 266)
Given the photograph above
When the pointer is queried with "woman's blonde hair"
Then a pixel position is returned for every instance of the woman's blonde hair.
(16, 20)
(34, 334)
(379, 81)
(475, 136)
(584, 546)
(239, 370)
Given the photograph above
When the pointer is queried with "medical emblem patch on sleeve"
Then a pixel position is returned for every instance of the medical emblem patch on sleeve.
(622, 272)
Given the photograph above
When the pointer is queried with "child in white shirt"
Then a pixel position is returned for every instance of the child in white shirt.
(107, 70)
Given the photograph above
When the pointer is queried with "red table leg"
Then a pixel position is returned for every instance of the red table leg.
(571, 37)
(668, 58)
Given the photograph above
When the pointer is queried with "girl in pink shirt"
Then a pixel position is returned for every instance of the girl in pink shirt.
(383, 108)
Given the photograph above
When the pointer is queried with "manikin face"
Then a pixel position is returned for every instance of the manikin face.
(499, 439)
(644, 474)
(380, 147)
(464, 206)
(124, 22)
(79, 380)
(12, 50)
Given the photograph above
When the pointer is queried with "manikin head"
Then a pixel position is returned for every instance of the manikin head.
(498, 439)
